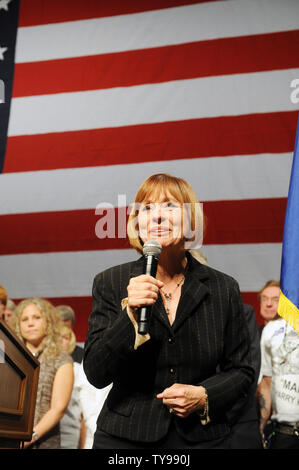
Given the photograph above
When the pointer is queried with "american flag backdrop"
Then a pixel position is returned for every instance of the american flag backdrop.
(97, 95)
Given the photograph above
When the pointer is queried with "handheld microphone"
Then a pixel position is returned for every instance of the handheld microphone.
(151, 251)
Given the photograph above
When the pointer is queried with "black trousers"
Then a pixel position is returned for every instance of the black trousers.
(284, 441)
(172, 440)
(246, 436)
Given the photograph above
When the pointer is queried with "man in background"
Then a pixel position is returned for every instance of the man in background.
(279, 386)
(269, 298)
(67, 315)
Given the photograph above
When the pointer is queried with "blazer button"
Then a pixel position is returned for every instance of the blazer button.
(171, 340)
(171, 371)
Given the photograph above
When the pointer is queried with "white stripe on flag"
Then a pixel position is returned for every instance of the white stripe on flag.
(252, 265)
(237, 94)
(213, 179)
(72, 273)
(155, 28)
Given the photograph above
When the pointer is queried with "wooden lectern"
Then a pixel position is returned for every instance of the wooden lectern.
(19, 372)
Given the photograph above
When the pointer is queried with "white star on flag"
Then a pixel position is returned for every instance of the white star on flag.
(2, 50)
(4, 4)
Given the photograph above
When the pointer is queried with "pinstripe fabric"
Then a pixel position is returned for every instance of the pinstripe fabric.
(209, 330)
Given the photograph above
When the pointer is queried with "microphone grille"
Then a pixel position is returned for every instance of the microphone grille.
(152, 248)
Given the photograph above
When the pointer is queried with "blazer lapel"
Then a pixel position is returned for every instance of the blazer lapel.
(194, 290)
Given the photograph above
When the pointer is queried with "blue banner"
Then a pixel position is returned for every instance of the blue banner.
(288, 306)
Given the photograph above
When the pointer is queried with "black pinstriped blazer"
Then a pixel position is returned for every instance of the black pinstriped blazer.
(209, 330)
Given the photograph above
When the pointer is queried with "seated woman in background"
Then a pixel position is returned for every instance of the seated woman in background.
(38, 325)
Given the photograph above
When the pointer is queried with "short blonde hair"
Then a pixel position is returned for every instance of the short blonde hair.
(51, 343)
(65, 330)
(156, 185)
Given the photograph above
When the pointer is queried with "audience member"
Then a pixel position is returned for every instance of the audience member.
(3, 301)
(279, 386)
(72, 428)
(10, 307)
(91, 400)
(67, 315)
(37, 323)
(269, 298)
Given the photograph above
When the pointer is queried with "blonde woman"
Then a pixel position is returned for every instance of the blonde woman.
(68, 339)
(167, 391)
(38, 325)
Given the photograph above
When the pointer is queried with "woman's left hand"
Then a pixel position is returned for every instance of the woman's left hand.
(182, 399)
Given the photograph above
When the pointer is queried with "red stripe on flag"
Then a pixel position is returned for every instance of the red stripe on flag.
(199, 59)
(55, 232)
(245, 221)
(37, 12)
(234, 222)
(195, 138)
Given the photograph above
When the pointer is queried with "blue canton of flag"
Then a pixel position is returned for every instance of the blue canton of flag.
(288, 306)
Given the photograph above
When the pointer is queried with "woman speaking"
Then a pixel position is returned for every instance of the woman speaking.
(172, 387)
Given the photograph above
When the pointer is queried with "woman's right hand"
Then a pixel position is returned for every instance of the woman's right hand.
(143, 291)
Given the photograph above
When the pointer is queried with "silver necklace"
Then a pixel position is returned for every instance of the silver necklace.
(169, 296)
